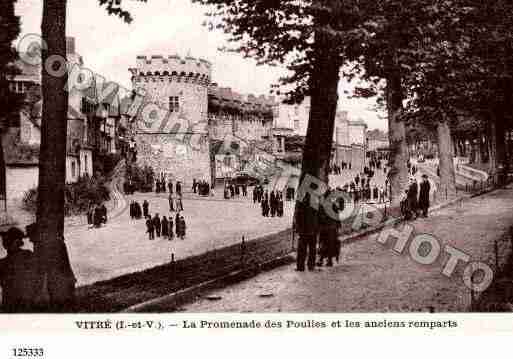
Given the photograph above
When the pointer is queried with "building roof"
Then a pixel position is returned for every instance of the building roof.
(358, 122)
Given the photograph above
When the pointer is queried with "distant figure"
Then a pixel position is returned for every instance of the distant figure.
(412, 196)
(179, 204)
(179, 188)
(165, 227)
(19, 276)
(146, 207)
(184, 227)
(138, 211)
(171, 202)
(97, 217)
(90, 215)
(150, 229)
(103, 211)
(180, 227)
(170, 229)
(425, 188)
(265, 207)
(157, 224)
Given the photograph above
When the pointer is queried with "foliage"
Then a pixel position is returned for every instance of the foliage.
(78, 196)
(10, 102)
(142, 178)
(105, 163)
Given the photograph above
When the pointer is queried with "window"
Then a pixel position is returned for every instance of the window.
(296, 124)
(17, 86)
(73, 169)
(174, 104)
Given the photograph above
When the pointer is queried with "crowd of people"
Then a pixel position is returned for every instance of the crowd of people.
(165, 227)
(201, 187)
(336, 169)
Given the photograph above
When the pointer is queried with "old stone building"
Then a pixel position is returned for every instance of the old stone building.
(176, 144)
(200, 130)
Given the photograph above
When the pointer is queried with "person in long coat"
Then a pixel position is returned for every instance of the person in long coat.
(272, 204)
(280, 206)
(170, 228)
(145, 206)
(171, 202)
(150, 229)
(425, 187)
(138, 210)
(165, 227)
(265, 207)
(90, 215)
(183, 228)
(307, 225)
(132, 210)
(328, 236)
(97, 217)
(412, 196)
(157, 224)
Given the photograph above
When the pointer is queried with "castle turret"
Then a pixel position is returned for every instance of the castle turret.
(178, 85)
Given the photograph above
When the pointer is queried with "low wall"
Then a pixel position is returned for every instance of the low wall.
(471, 173)
(120, 293)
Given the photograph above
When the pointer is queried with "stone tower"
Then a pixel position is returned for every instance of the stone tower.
(175, 142)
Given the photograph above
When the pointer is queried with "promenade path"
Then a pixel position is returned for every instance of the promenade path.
(372, 278)
(122, 246)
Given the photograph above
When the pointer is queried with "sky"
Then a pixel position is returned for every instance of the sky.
(165, 27)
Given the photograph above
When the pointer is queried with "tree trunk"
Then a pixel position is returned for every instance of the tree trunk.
(477, 145)
(447, 177)
(318, 142)
(398, 174)
(500, 134)
(482, 147)
(51, 248)
(492, 146)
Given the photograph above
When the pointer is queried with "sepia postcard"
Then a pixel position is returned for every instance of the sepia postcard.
(186, 167)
